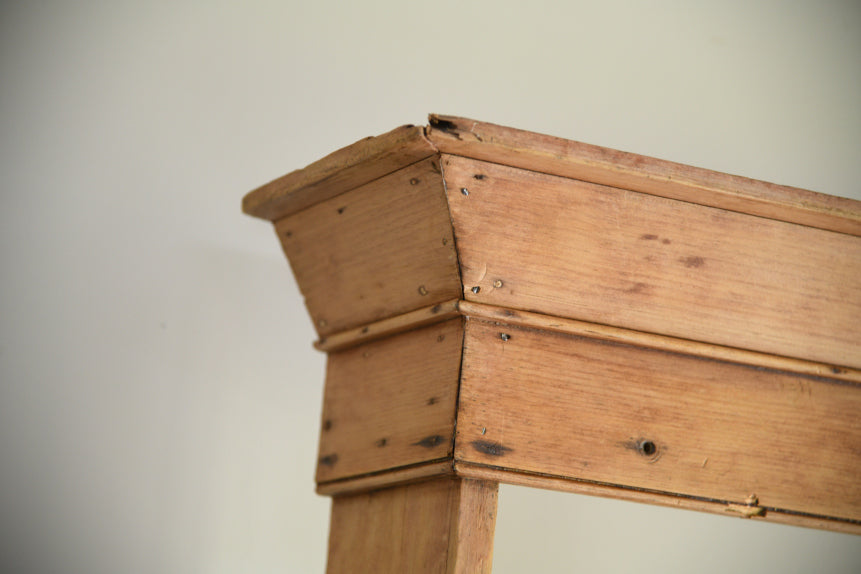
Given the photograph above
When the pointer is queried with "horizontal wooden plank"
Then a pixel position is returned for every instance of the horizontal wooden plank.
(557, 156)
(566, 248)
(652, 341)
(343, 170)
(390, 403)
(380, 250)
(724, 508)
(565, 406)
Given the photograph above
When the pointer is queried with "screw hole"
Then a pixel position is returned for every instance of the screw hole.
(648, 448)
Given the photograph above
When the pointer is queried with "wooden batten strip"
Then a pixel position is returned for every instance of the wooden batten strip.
(389, 326)
(660, 342)
(557, 156)
(386, 478)
(741, 509)
(338, 172)
(443, 311)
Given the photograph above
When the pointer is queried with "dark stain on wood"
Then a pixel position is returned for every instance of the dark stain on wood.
(436, 309)
(692, 262)
(364, 330)
(341, 210)
(648, 236)
(666, 241)
(637, 288)
(382, 442)
(479, 176)
(444, 126)
(329, 459)
(430, 441)
(432, 401)
(490, 448)
(327, 424)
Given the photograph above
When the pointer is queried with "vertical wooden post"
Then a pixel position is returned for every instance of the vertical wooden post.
(443, 525)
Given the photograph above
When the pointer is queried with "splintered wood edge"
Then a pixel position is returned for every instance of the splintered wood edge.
(339, 172)
(741, 509)
(528, 320)
(595, 164)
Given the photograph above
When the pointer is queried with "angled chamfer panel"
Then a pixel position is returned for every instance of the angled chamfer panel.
(567, 248)
(382, 249)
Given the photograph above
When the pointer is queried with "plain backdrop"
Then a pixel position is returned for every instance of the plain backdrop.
(159, 395)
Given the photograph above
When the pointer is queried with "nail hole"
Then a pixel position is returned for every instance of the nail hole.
(423, 290)
(506, 336)
(341, 209)
(648, 448)
(414, 181)
(464, 191)
(476, 289)
(497, 283)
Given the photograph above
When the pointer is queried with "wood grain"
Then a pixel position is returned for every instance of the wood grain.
(390, 403)
(442, 526)
(380, 250)
(387, 478)
(343, 170)
(389, 326)
(652, 341)
(572, 407)
(557, 156)
(571, 249)
(567, 484)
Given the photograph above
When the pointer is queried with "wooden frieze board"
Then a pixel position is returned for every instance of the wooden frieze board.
(511, 307)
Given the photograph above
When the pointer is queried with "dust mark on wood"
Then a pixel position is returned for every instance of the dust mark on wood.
(692, 262)
(329, 459)
(648, 236)
(430, 441)
(637, 288)
(490, 448)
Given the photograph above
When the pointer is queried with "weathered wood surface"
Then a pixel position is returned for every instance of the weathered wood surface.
(389, 326)
(563, 406)
(343, 170)
(571, 249)
(557, 156)
(377, 251)
(567, 484)
(442, 526)
(659, 342)
(391, 403)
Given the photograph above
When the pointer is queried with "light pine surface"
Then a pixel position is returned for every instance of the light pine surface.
(379, 250)
(570, 407)
(566, 248)
(390, 403)
(506, 307)
(440, 526)
(576, 160)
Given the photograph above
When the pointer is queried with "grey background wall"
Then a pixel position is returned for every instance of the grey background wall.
(159, 396)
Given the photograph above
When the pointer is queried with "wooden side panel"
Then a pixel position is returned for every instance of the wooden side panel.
(557, 156)
(391, 403)
(442, 526)
(567, 248)
(383, 249)
(614, 414)
(340, 171)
